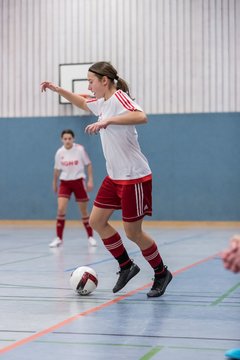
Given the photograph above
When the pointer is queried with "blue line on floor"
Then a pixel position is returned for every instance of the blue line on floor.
(101, 261)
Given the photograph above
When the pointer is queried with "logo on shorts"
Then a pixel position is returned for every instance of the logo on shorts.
(145, 207)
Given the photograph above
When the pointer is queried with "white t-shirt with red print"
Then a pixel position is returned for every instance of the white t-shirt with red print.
(124, 159)
(71, 162)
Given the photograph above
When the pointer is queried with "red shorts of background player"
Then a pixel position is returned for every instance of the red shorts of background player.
(135, 200)
(67, 187)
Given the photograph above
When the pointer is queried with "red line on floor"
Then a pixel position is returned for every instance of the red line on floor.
(92, 310)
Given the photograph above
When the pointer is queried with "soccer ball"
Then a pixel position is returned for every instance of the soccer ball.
(84, 280)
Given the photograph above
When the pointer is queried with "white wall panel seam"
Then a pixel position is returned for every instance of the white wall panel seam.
(179, 56)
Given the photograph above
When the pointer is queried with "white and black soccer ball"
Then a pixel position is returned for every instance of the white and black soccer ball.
(84, 280)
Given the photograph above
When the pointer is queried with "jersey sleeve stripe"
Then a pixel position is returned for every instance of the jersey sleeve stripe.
(91, 100)
(124, 101)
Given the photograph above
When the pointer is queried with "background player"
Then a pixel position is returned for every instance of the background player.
(128, 185)
(70, 162)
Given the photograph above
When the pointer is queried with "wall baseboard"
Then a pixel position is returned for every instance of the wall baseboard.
(153, 223)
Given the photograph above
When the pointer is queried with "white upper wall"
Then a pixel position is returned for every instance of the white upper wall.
(179, 56)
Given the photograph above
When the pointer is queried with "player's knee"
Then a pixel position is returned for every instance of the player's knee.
(61, 211)
(91, 222)
(97, 224)
(94, 223)
(133, 235)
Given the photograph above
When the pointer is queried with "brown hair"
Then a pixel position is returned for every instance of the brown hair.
(104, 68)
(67, 131)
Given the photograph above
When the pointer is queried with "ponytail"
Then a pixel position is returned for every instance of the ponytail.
(122, 85)
(104, 68)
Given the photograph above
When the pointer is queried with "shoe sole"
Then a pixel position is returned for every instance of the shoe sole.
(55, 246)
(94, 245)
(136, 271)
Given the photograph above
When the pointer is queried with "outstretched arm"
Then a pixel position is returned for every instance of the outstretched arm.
(129, 118)
(75, 99)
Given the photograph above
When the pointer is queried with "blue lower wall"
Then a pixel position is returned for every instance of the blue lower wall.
(195, 161)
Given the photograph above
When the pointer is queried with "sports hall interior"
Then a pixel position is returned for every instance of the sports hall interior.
(181, 59)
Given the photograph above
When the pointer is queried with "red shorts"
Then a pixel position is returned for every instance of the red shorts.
(135, 200)
(67, 187)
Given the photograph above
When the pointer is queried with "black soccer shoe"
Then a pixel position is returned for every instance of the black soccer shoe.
(125, 276)
(160, 284)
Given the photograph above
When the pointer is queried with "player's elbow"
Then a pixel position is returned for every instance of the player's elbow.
(144, 118)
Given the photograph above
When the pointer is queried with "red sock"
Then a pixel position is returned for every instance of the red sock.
(115, 246)
(60, 226)
(88, 228)
(153, 257)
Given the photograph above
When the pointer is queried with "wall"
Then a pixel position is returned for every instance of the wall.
(195, 161)
(179, 56)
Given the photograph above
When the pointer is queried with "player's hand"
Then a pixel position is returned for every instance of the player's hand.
(231, 256)
(89, 186)
(48, 85)
(55, 188)
(96, 127)
(232, 261)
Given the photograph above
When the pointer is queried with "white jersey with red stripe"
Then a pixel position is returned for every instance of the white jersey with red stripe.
(71, 162)
(124, 159)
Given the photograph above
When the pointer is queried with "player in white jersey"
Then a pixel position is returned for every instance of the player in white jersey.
(128, 185)
(70, 163)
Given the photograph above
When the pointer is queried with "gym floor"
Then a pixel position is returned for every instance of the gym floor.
(42, 318)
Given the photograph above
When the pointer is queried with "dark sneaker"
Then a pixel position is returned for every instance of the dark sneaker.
(160, 285)
(125, 276)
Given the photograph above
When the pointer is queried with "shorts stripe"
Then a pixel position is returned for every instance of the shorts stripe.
(139, 198)
(135, 200)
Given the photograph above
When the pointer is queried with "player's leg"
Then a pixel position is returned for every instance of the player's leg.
(81, 196)
(83, 207)
(99, 220)
(136, 203)
(106, 202)
(149, 249)
(64, 194)
(60, 222)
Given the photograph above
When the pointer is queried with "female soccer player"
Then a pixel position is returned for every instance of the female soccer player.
(70, 162)
(128, 185)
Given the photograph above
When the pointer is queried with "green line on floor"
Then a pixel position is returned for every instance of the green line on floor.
(91, 343)
(224, 296)
(153, 350)
(151, 353)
